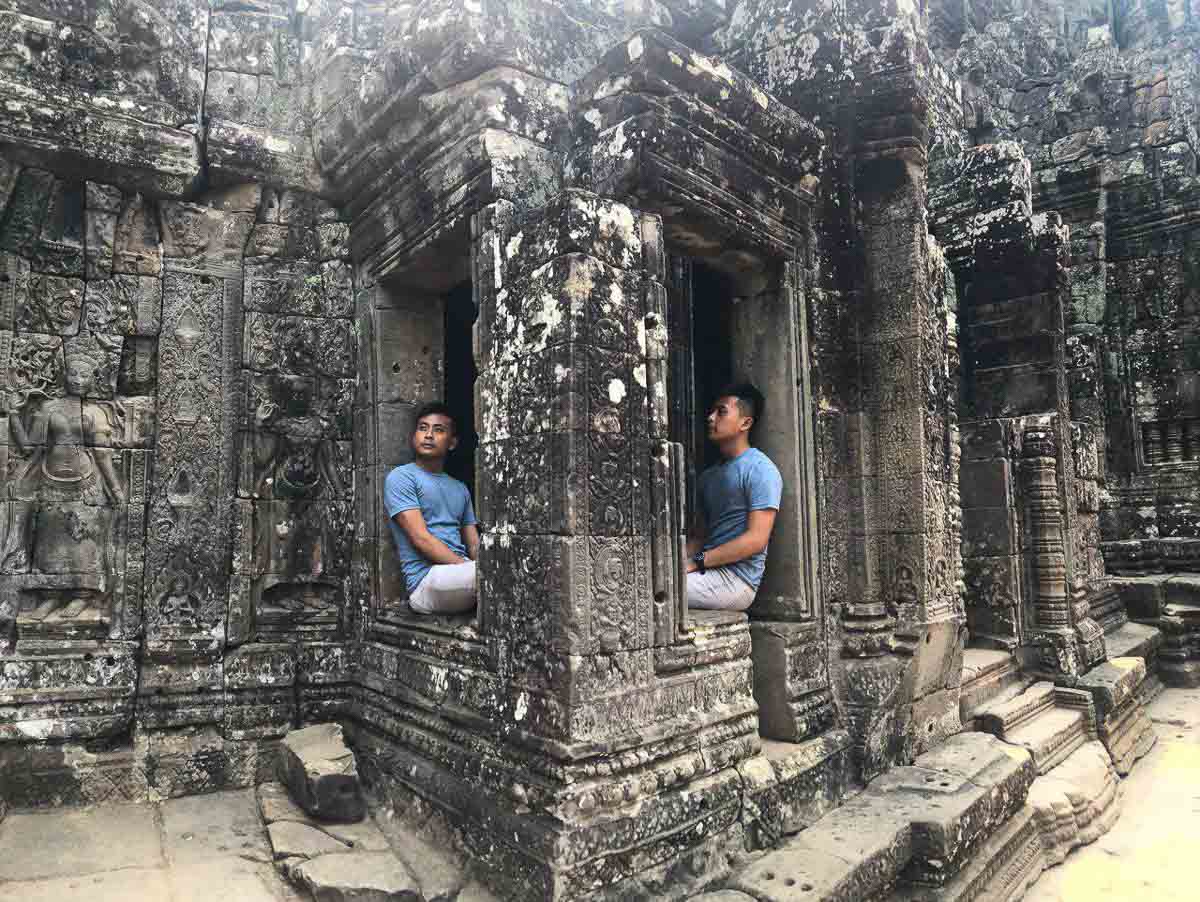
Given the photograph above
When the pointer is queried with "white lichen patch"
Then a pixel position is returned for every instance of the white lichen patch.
(514, 245)
(592, 115)
(635, 48)
(617, 221)
(702, 64)
(616, 391)
(639, 374)
(616, 145)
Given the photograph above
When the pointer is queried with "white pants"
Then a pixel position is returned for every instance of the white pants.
(445, 589)
(718, 589)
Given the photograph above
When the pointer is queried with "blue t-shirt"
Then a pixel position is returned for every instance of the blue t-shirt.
(728, 492)
(445, 504)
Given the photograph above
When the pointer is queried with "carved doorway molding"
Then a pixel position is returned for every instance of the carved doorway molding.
(766, 342)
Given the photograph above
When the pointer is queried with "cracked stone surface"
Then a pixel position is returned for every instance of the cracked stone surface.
(193, 849)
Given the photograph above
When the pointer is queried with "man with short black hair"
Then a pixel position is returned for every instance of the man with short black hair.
(432, 520)
(739, 498)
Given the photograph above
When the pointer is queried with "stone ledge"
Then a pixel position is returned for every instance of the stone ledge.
(789, 787)
(1134, 640)
(922, 822)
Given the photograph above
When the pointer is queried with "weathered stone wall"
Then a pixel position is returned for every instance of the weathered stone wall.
(179, 360)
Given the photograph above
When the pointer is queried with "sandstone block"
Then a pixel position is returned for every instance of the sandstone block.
(358, 877)
(321, 774)
(292, 840)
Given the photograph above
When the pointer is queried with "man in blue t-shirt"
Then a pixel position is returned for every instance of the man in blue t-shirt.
(739, 498)
(432, 520)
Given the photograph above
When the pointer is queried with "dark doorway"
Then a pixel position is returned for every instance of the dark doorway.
(712, 349)
(699, 314)
(460, 382)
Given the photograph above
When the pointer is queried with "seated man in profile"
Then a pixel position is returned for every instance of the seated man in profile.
(433, 521)
(739, 498)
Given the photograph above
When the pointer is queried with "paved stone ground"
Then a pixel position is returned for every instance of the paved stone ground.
(1150, 854)
(197, 849)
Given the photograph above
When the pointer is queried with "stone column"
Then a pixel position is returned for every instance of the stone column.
(1068, 639)
(579, 572)
(181, 692)
(791, 668)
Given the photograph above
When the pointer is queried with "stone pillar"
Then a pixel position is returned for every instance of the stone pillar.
(1068, 639)
(791, 668)
(580, 573)
(181, 692)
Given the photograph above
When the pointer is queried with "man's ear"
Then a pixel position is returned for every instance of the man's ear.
(453, 442)
(746, 425)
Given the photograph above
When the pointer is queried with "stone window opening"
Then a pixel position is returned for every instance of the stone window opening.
(731, 325)
(425, 352)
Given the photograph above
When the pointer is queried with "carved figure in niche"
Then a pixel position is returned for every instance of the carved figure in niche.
(739, 499)
(297, 535)
(62, 540)
(904, 591)
(433, 521)
(295, 446)
(178, 604)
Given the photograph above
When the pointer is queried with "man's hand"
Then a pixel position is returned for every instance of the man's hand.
(692, 566)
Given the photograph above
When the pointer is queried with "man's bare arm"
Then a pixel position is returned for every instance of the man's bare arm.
(470, 536)
(751, 542)
(427, 544)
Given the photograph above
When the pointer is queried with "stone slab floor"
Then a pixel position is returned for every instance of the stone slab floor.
(1150, 854)
(214, 847)
(197, 849)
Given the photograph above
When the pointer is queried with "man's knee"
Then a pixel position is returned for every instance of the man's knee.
(446, 589)
(707, 592)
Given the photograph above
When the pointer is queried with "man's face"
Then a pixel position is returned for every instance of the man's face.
(725, 420)
(434, 436)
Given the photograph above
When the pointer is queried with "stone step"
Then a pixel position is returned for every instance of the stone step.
(1077, 802)
(1002, 717)
(855, 852)
(918, 823)
(956, 797)
(1134, 640)
(988, 677)
(1118, 697)
(358, 876)
(1001, 870)
(1051, 736)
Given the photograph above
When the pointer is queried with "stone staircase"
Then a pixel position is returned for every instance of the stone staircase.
(1049, 721)
(981, 816)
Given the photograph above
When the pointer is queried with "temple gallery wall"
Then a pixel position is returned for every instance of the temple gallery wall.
(957, 245)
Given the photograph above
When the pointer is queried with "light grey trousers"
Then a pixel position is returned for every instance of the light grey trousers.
(445, 589)
(718, 589)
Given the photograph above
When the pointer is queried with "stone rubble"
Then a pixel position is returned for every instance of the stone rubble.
(321, 774)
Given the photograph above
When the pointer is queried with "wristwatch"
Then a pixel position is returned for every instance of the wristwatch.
(698, 560)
